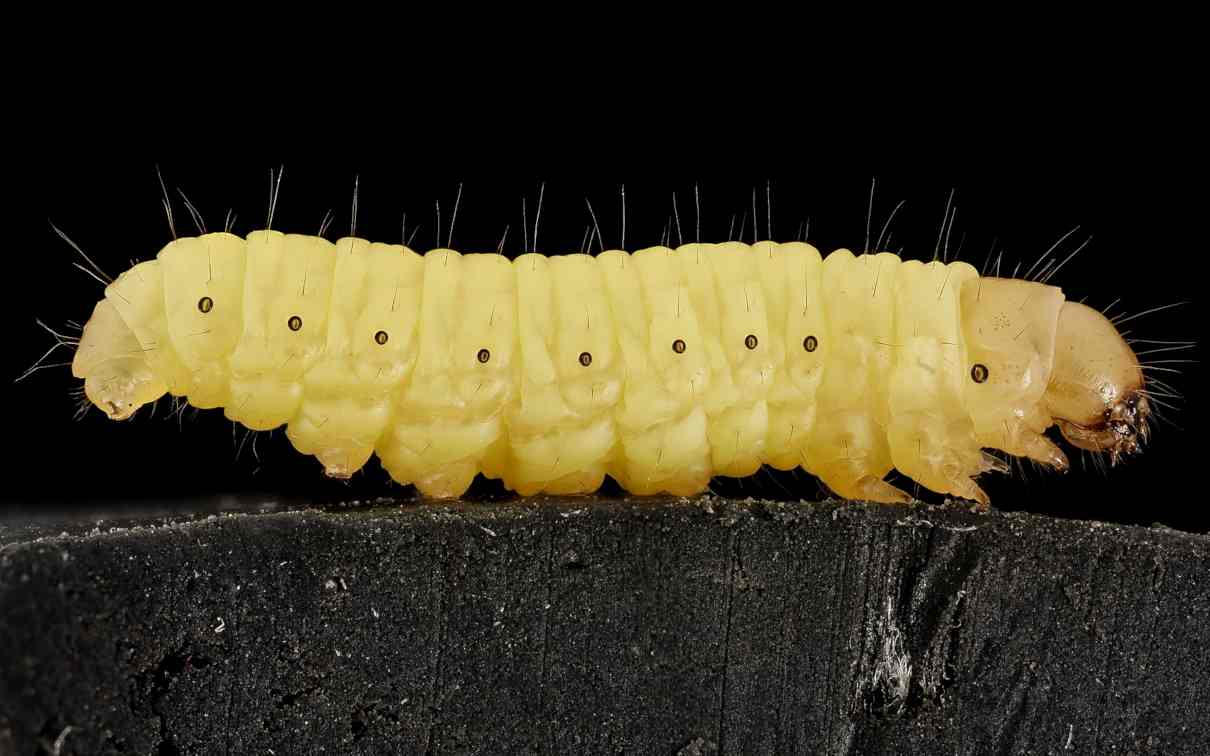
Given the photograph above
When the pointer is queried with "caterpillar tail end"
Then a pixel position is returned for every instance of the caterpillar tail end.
(117, 377)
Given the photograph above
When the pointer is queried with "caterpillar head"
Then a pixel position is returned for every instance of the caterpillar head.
(117, 378)
(1096, 391)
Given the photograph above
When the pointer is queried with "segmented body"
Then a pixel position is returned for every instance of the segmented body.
(660, 368)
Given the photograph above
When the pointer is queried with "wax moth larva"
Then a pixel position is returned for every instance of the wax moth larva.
(660, 368)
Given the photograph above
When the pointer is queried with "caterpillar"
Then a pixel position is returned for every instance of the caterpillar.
(660, 368)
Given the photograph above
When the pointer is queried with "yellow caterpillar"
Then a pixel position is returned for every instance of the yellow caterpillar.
(660, 368)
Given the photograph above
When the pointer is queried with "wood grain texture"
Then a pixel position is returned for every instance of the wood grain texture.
(605, 626)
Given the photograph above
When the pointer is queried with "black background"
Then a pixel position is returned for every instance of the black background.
(1123, 170)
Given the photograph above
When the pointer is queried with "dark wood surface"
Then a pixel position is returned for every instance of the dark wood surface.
(604, 626)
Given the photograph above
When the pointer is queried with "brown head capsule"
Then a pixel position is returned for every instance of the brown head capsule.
(1096, 392)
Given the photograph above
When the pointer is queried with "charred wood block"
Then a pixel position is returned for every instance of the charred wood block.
(602, 626)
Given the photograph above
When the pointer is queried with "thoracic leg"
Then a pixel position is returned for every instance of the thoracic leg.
(1042, 450)
(848, 451)
(941, 454)
(1023, 438)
